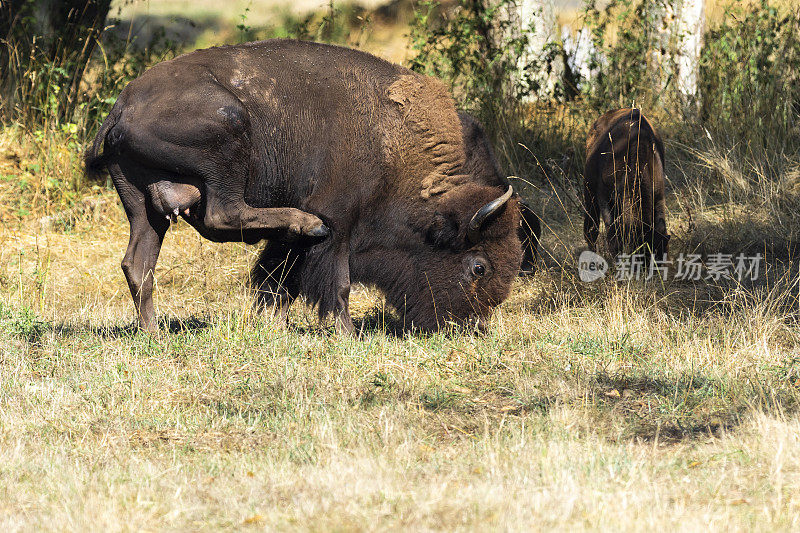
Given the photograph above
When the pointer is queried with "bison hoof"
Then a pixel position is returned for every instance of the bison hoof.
(320, 231)
(314, 228)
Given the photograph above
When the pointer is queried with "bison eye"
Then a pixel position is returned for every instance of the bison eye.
(478, 269)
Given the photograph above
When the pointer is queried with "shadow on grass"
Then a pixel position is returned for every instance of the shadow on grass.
(622, 407)
(32, 329)
(379, 321)
(34, 332)
(668, 410)
(775, 289)
(390, 323)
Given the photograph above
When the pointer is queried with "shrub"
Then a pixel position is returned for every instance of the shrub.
(44, 51)
(628, 54)
(478, 49)
(750, 75)
(63, 71)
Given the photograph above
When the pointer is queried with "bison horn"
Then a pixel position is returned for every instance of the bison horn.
(484, 213)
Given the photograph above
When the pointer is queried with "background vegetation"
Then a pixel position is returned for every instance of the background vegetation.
(625, 405)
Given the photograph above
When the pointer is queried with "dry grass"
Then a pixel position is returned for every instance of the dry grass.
(586, 407)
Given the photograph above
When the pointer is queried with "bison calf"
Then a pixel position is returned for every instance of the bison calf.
(624, 184)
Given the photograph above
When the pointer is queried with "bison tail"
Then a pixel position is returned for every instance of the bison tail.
(95, 162)
(635, 114)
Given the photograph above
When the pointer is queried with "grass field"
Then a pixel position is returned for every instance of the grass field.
(611, 405)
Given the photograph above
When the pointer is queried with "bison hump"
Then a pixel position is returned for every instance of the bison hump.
(428, 111)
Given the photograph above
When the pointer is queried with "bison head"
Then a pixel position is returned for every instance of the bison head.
(465, 261)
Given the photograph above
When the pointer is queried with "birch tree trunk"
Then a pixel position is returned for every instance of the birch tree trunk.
(690, 27)
(538, 17)
(579, 51)
(534, 19)
(680, 39)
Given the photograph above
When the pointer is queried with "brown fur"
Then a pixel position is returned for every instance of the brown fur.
(433, 128)
(624, 183)
(293, 141)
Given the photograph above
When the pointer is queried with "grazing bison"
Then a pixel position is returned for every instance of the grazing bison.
(624, 183)
(353, 169)
(482, 166)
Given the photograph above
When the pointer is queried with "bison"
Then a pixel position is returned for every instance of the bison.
(353, 169)
(624, 183)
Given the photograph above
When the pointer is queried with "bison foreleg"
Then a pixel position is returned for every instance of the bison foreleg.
(276, 278)
(272, 220)
(343, 321)
(615, 237)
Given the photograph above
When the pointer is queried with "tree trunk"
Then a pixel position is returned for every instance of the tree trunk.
(10, 15)
(539, 18)
(578, 53)
(690, 26)
(531, 22)
(680, 31)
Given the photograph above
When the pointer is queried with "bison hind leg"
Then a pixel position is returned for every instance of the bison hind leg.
(147, 230)
(275, 277)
